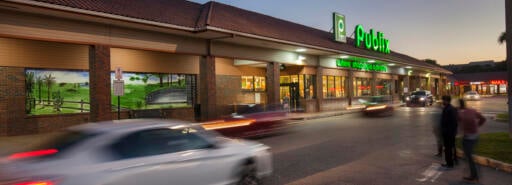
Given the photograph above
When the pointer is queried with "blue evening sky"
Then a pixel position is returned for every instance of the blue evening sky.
(449, 31)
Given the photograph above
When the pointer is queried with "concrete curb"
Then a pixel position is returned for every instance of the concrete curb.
(484, 161)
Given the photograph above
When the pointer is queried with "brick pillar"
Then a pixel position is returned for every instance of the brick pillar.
(442, 86)
(418, 82)
(12, 103)
(99, 83)
(373, 83)
(319, 88)
(207, 84)
(407, 80)
(350, 85)
(272, 81)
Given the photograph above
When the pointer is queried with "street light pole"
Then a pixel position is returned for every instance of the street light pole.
(508, 41)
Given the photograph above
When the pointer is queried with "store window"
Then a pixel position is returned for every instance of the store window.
(56, 91)
(156, 90)
(333, 86)
(306, 84)
(383, 87)
(253, 83)
(362, 87)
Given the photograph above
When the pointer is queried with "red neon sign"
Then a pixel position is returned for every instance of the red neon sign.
(498, 82)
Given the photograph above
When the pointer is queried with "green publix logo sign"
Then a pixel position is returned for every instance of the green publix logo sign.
(361, 65)
(371, 41)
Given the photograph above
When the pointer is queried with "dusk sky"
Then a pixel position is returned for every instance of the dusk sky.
(449, 31)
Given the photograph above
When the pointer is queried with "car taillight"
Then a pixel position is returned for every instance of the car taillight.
(30, 154)
(46, 182)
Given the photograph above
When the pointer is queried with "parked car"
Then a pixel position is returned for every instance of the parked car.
(471, 95)
(377, 106)
(421, 98)
(153, 152)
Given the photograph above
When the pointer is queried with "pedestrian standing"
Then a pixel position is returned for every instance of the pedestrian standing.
(448, 131)
(286, 102)
(436, 130)
(470, 120)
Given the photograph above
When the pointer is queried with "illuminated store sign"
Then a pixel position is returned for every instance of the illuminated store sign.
(361, 65)
(372, 41)
(498, 82)
(339, 27)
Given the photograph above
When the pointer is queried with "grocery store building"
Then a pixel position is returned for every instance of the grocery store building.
(62, 63)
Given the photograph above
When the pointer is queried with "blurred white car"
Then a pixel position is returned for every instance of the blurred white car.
(471, 95)
(149, 152)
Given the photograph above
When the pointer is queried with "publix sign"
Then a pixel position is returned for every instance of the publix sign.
(371, 40)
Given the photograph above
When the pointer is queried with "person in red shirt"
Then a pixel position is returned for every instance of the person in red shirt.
(469, 122)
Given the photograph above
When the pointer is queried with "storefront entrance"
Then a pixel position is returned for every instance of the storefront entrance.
(290, 92)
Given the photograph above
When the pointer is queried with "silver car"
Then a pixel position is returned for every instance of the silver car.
(152, 152)
(471, 95)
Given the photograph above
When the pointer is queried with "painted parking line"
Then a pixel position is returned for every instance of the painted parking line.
(431, 173)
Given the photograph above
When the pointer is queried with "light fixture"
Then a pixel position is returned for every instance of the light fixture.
(391, 64)
(371, 61)
(301, 58)
(408, 67)
(409, 72)
(300, 50)
(344, 56)
(427, 75)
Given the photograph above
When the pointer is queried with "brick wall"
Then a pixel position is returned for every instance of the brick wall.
(334, 104)
(49, 123)
(12, 102)
(229, 92)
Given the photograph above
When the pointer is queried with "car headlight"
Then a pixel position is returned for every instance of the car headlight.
(422, 99)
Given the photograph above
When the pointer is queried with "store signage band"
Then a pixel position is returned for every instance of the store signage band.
(372, 41)
(361, 65)
(340, 31)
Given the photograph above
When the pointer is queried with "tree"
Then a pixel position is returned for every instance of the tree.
(431, 61)
(49, 80)
(39, 83)
(502, 39)
(29, 87)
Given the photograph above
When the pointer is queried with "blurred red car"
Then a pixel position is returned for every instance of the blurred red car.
(254, 121)
(378, 106)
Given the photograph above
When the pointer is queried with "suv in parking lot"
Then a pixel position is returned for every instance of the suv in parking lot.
(422, 98)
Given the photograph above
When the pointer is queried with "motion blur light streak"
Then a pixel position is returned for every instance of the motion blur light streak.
(227, 124)
(36, 183)
(32, 154)
(376, 107)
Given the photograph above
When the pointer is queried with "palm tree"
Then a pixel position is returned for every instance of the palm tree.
(49, 80)
(29, 83)
(502, 39)
(39, 82)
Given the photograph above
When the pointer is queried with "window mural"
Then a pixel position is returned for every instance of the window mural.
(156, 90)
(56, 91)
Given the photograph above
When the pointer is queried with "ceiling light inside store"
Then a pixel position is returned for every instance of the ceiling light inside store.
(408, 67)
(344, 56)
(391, 64)
(371, 61)
(300, 50)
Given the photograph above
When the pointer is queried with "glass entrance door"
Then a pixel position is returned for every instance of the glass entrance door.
(289, 94)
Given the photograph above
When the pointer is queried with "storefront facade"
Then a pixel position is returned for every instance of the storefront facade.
(485, 83)
(58, 64)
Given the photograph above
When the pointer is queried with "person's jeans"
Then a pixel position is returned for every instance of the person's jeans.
(468, 146)
(449, 143)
